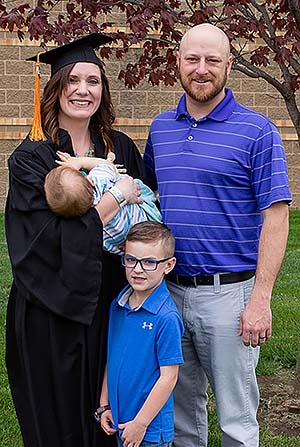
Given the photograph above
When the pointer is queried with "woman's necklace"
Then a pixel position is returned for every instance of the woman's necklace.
(90, 152)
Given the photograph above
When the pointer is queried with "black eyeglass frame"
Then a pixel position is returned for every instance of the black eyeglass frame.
(155, 262)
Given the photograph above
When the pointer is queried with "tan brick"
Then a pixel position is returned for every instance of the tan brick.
(27, 82)
(2, 202)
(10, 53)
(7, 146)
(112, 68)
(266, 100)
(258, 109)
(162, 98)
(234, 84)
(1, 68)
(294, 173)
(10, 82)
(254, 85)
(132, 98)
(115, 97)
(4, 178)
(247, 99)
(149, 111)
(146, 86)
(116, 84)
(10, 110)
(13, 67)
(123, 111)
(278, 113)
(26, 110)
(293, 159)
(2, 97)
(20, 96)
(2, 161)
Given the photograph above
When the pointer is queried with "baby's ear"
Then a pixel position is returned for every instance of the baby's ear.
(121, 247)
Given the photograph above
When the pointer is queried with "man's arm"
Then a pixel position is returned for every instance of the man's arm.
(256, 320)
(134, 431)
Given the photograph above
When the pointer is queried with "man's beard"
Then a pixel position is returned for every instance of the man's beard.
(201, 95)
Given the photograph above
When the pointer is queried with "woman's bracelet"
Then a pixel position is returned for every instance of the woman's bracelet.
(100, 411)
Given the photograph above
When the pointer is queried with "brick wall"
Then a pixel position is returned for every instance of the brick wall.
(134, 108)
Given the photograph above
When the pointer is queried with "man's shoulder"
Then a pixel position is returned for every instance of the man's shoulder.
(248, 115)
(167, 115)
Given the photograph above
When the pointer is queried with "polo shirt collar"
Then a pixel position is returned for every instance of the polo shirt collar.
(152, 304)
(220, 113)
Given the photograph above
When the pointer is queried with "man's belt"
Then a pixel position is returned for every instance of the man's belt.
(208, 280)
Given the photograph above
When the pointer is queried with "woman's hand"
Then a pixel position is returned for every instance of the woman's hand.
(130, 190)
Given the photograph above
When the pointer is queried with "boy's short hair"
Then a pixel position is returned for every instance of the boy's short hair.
(153, 232)
(68, 192)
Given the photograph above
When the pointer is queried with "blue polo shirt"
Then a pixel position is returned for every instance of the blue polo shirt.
(215, 176)
(140, 341)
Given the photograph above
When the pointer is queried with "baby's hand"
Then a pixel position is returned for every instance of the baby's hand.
(67, 160)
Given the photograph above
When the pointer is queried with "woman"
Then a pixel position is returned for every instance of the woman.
(57, 310)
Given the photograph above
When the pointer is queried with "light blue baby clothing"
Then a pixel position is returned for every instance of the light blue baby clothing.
(104, 177)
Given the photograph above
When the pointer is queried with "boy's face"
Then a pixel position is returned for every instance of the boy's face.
(142, 281)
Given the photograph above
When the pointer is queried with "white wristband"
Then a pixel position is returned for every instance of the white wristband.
(118, 195)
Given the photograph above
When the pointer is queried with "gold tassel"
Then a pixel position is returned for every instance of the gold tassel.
(36, 133)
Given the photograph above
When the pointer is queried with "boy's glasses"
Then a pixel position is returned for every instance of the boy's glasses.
(146, 264)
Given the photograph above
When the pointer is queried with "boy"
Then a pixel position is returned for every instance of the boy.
(144, 344)
(69, 193)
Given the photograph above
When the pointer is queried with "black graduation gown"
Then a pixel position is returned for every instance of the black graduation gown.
(57, 309)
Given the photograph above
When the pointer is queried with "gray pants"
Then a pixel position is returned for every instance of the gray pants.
(214, 353)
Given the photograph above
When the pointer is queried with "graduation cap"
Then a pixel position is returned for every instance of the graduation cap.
(79, 50)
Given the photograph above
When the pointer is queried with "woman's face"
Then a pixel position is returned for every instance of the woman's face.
(81, 97)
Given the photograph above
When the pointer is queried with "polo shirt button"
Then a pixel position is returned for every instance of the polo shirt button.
(190, 137)
(194, 125)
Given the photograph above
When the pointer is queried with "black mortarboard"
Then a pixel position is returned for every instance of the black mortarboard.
(80, 50)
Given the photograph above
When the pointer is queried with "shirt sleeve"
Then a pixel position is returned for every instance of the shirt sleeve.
(169, 350)
(269, 168)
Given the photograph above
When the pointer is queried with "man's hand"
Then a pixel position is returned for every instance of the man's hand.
(256, 321)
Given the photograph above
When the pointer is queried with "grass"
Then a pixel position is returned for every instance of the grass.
(279, 352)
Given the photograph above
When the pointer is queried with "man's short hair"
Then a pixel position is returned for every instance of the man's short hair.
(68, 192)
(148, 232)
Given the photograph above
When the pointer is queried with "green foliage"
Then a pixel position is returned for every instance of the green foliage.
(279, 352)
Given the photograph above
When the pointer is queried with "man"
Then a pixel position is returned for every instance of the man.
(221, 173)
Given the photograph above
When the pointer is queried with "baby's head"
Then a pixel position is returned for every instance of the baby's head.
(68, 192)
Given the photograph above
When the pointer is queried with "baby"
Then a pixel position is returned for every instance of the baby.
(79, 183)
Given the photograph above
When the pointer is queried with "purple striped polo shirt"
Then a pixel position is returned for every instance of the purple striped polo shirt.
(215, 176)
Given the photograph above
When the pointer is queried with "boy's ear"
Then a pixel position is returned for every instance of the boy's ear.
(170, 265)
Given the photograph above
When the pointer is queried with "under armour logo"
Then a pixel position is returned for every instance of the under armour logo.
(146, 325)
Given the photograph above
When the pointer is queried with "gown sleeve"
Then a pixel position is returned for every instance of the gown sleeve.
(56, 262)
